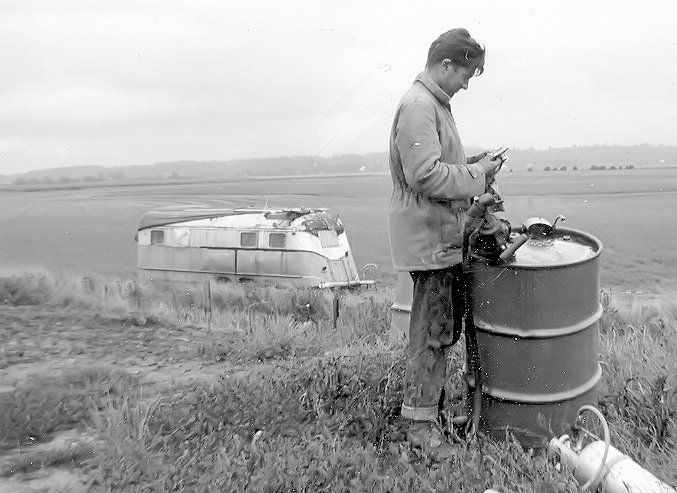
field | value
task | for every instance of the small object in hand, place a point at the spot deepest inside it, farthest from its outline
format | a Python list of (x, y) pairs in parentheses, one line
[(499, 154)]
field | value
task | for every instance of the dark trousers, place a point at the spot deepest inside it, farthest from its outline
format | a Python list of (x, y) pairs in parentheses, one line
[(435, 324)]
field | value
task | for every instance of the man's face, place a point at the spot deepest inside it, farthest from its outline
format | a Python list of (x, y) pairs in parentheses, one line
[(455, 78)]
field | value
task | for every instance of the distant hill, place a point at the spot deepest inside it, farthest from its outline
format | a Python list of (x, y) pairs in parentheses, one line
[(587, 156), (583, 157), (294, 165)]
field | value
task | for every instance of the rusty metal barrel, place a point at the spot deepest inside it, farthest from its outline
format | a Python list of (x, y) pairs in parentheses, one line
[(537, 324), (536, 320), (401, 307)]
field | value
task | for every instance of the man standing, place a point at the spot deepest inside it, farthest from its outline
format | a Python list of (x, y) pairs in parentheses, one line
[(433, 186)]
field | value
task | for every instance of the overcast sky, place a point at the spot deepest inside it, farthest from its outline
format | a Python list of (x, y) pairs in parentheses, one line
[(136, 82)]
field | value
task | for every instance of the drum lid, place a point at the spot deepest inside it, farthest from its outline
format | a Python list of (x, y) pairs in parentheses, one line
[(561, 247)]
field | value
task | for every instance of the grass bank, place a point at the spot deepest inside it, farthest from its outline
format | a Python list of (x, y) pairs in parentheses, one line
[(300, 404)]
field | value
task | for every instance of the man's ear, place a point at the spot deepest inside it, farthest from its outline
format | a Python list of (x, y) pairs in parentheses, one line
[(448, 65)]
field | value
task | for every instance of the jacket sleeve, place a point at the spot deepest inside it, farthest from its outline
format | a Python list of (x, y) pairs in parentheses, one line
[(418, 144)]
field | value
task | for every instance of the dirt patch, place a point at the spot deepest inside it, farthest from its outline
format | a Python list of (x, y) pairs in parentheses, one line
[(38, 342)]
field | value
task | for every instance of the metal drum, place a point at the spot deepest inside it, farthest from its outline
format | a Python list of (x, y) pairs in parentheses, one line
[(401, 308), (536, 321)]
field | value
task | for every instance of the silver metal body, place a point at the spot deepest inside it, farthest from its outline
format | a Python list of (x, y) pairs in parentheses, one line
[(294, 246)]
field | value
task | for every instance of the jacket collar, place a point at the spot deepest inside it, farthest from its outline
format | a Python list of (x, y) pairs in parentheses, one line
[(436, 91)]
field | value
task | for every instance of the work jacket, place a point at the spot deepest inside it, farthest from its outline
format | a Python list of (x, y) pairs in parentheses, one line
[(432, 184)]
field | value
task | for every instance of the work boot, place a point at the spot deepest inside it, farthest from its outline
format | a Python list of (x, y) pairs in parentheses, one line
[(427, 436)]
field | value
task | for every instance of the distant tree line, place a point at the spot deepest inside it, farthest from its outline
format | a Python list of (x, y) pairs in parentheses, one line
[(629, 166), (51, 180), (101, 177), (593, 167), (551, 159)]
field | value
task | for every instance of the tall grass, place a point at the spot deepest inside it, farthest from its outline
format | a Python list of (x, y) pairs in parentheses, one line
[(314, 405), (329, 425), (185, 303), (46, 403), (639, 395)]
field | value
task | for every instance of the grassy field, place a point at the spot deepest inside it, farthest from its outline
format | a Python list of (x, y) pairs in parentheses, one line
[(91, 230), (107, 384)]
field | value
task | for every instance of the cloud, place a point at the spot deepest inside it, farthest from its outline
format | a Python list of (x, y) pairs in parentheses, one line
[(137, 82), (78, 102)]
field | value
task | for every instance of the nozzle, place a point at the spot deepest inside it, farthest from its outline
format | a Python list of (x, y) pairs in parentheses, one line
[(559, 448), (510, 250)]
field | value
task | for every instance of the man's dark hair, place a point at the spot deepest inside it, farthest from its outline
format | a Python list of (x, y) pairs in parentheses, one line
[(458, 46)]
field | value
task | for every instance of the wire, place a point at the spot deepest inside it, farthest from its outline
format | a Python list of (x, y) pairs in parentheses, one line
[(595, 479)]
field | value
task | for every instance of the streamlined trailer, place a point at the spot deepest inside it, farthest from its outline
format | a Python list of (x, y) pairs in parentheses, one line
[(296, 246)]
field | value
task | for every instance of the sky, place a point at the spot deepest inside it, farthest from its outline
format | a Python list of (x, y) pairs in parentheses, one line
[(118, 83)]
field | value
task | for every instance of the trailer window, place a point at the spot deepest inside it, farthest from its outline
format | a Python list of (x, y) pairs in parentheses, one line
[(248, 240), (277, 240), (328, 239), (157, 237), (316, 224), (335, 224)]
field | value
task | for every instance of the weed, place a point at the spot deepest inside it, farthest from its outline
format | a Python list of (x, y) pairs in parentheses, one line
[(47, 403), (125, 425), (36, 457), (639, 389)]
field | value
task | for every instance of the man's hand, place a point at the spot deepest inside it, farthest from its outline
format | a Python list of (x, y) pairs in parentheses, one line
[(478, 158), (490, 169), (491, 166), (499, 154)]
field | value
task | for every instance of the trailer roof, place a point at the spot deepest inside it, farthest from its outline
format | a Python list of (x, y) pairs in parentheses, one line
[(172, 215)]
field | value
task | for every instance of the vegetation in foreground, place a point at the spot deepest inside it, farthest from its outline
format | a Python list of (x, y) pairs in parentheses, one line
[(295, 403)]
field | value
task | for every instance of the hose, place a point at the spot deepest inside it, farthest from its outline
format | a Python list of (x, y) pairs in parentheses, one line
[(508, 252), (472, 349), (598, 475)]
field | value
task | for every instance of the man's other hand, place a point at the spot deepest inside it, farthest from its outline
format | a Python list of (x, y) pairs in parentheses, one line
[(490, 169), (478, 158)]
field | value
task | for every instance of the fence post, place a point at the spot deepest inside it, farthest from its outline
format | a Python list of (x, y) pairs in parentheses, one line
[(335, 307), (208, 303)]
